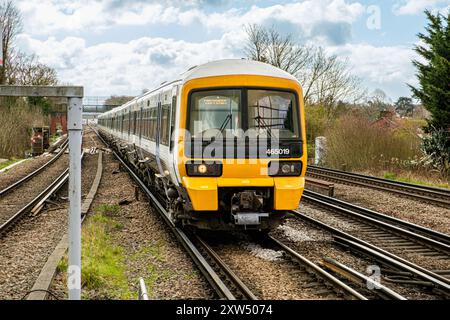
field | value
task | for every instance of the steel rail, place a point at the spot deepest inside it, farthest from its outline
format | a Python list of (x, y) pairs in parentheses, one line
[(335, 282), (19, 214), (404, 265), (397, 262), (16, 184), (434, 195), (357, 277), (243, 289), (38, 200), (413, 231), (205, 268)]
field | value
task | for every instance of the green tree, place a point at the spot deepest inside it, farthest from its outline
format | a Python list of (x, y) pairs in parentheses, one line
[(434, 88), (404, 106), (434, 72)]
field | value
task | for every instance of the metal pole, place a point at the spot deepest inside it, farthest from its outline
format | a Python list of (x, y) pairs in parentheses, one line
[(143, 295), (75, 133)]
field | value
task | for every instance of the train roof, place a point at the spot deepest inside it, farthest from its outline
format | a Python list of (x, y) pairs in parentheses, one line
[(234, 67), (218, 68)]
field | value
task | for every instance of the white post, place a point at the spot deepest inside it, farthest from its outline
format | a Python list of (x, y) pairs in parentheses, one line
[(74, 125), (321, 143)]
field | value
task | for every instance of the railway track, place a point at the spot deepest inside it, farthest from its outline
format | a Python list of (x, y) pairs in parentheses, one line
[(224, 282), (314, 276), (437, 196), (28, 196), (381, 233), (389, 244), (330, 202), (20, 182), (220, 276)]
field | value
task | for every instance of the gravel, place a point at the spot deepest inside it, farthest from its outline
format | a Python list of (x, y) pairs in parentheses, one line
[(22, 170), (25, 249), (267, 272), (337, 221), (316, 244), (150, 249), (427, 215), (18, 198)]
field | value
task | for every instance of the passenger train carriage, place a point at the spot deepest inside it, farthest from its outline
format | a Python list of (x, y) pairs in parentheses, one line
[(223, 146)]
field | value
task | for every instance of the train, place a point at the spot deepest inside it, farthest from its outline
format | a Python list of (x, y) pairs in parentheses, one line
[(223, 146)]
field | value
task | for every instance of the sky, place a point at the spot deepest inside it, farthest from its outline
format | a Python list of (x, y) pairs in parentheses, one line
[(122, 47)]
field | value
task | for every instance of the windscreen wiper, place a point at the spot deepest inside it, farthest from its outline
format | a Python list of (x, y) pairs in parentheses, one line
[(262, 124), (224, 124)]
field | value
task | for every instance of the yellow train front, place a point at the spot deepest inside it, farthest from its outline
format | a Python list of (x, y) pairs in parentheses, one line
[(223, 146), (242, 149)]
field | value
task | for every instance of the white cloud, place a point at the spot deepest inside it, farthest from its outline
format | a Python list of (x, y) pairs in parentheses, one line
[(387, 67), (412, 7), (126, 68), (43, 17)]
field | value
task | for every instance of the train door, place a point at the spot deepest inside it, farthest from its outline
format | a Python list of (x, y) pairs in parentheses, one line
[(173, 139), (172, 114), (158, 133)]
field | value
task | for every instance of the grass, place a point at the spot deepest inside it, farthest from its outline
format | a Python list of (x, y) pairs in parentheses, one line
[(8, 163), (53, 138), (103, 262), (415, 180)]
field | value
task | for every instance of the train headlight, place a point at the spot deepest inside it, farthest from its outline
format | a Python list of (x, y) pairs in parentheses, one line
[(204, 169), (285, 168)]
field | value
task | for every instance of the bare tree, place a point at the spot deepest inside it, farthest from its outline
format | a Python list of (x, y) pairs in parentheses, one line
[(117, 100), (325, 78), (11, 24), (27, 70), (257, 43), (267, 45)]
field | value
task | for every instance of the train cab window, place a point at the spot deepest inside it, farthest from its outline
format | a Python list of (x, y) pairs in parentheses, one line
[(215, 111), (273, 113)]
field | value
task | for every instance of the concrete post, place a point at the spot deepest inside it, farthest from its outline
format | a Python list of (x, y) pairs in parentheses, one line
[(320, 150), (74, 125)]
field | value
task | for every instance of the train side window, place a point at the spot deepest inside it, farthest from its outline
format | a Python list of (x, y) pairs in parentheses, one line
[(141, 123), (148, 123), (130, 123), (133, 121), (152, 124)]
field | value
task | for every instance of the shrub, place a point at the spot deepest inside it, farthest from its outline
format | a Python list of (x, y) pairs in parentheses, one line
[(354, 143), (16, 121), (316, 122), (436, 145)]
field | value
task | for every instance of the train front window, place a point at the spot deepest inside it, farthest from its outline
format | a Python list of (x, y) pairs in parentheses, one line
[(215, 112), (273, 113), (267, 113)]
